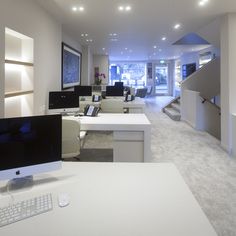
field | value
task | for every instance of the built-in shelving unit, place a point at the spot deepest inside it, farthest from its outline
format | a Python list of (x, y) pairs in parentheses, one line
[(19, 63), (19, 74)]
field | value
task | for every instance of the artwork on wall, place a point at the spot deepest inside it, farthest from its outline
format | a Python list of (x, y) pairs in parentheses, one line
[(71, 66)]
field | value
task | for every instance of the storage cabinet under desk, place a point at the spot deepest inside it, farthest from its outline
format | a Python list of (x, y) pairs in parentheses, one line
[(128, 146)]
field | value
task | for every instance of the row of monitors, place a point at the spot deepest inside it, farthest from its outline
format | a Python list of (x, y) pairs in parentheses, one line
[(69, 99), (112, 91)]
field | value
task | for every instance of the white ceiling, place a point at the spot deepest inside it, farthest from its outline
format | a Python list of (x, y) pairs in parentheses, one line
[(140, 29)]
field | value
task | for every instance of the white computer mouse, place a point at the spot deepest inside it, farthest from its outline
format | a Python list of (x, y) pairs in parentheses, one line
[(63, 199)]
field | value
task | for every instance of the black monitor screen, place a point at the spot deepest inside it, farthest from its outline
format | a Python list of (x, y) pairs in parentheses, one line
[(83, 90), (119, 84), (114, 91), (62, 99), (27, 141)]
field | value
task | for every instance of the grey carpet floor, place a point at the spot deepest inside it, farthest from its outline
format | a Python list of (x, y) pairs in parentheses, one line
[(207, 169)]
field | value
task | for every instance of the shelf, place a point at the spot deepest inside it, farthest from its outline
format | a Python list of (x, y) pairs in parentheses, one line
[(18, 93), (19, 63)]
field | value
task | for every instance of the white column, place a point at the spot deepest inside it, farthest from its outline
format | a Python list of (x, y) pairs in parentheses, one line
[(228, 80), (2, 70)]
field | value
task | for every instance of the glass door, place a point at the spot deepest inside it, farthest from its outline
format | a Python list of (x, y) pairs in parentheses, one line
[(161, 79)]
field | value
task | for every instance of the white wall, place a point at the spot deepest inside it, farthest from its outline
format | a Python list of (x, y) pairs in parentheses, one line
[(87, 66), (228, 81), (28, 18), (102, 61)]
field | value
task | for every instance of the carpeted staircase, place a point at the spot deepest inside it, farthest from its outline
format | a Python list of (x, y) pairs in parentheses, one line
[(173, 109)]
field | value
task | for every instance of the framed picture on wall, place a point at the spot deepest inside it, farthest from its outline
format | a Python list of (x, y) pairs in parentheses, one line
[(71, 67)]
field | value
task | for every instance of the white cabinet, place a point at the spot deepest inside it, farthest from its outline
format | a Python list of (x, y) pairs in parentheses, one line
[(19, 74)]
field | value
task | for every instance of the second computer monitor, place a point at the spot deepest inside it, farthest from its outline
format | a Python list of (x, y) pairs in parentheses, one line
[(83, 91), (63, 101), (114, 91)]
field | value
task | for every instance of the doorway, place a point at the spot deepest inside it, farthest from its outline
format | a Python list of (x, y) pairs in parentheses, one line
[(161, 79)]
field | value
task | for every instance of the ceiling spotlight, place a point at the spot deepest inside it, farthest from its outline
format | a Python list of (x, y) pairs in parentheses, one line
[(128, 8), (163, 38), (74, 9), (81, 8), (203, 2), (84, 35), (154, 46), (121, 8), (177, 26)]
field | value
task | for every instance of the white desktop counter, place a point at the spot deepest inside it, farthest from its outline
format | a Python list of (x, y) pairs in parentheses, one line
[(114, 199), (131, 134), (135, 106)]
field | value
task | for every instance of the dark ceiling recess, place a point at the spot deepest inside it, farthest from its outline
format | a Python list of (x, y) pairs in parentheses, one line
[(191, 39)]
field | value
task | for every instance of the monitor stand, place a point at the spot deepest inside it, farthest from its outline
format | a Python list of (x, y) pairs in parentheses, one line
[(20, 183)]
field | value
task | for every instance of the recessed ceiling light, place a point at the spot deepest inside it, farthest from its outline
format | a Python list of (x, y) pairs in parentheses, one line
[(163, 38), (89, 40), (162, 61), (113, 34), (126, 48), (154, 46), (81, 8), (128, 8), (177, 26), (114, 40), (74, 9), (84, 35), (202, 2), (103, 49), (124, 8)]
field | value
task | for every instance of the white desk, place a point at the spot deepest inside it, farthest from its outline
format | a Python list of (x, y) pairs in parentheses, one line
[(131, 134), (114, 199), (135, 106)]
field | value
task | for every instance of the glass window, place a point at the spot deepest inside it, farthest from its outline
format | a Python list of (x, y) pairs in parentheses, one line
[(131, 74)]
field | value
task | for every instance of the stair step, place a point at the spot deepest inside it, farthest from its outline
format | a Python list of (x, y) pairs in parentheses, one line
[(176, 106), (172, 113)]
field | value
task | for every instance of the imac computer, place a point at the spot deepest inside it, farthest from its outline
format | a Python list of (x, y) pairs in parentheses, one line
[(119, 84), (82, 91), (28, 146), (63, 102), (114, 91)]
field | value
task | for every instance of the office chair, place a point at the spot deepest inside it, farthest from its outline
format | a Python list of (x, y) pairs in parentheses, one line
[(112, 105), (142, 92), (72, 138)]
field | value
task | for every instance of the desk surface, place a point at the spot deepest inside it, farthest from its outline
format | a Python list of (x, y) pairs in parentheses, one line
[(114, 199), (113, 121)]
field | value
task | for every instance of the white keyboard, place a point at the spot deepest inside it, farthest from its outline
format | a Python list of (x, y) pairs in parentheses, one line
[(25, 209)]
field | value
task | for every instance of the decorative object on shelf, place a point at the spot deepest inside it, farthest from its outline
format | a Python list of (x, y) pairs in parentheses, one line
[(99, 77), (71, 66)]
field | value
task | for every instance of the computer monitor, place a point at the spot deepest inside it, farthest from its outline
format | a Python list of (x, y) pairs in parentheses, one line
[(29, 145), (113, 91), (63, 102), (83, 91), (119, 84)]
